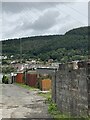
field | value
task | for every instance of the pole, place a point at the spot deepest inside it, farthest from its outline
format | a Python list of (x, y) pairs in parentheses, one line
[(20, 51)]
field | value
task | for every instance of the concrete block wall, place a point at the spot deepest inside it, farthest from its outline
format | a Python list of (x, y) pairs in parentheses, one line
[(71, 88)]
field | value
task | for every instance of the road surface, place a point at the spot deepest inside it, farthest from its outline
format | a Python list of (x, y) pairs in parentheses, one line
[(18, 102)]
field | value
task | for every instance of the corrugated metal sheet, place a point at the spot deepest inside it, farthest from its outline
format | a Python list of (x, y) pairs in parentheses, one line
[(19, 78), (31, 80), (46, 84)]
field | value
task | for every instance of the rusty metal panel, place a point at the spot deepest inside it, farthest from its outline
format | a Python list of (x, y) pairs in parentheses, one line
[(31, 80), (20, 78), (46, 84)]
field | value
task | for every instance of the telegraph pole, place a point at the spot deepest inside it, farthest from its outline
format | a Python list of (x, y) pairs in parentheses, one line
[(20, 50)]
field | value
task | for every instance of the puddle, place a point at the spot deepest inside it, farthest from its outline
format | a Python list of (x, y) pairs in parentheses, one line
[(40, 100), (32, 106), (2, 103), (10, 107), (28, 92), (29, 106)]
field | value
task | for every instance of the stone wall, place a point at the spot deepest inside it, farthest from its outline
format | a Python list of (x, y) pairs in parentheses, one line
[(71, 88)]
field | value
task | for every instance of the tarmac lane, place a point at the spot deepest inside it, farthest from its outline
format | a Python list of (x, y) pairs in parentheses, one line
[(18, 102), (0, 101)]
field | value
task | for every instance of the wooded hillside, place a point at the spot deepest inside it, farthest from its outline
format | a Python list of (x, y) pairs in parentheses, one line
[(71, 46)]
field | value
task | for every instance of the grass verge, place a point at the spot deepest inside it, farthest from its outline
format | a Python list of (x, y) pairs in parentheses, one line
[(26, 86), (46, 95)]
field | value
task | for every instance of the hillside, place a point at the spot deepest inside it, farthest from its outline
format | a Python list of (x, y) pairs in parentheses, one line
[(71, 46)]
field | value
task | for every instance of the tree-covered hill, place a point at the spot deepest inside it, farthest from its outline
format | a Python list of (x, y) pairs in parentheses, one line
[(78, 31), (71, 46)]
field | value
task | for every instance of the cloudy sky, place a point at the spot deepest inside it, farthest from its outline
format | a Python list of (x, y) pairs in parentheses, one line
[(23, 19)]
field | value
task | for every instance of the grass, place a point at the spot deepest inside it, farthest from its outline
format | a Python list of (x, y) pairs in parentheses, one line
[(57, 115), (52, 107), (26, 86), (53, 110), (46, 95)]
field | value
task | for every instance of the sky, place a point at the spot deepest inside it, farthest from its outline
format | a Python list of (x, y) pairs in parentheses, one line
[(26, 19)]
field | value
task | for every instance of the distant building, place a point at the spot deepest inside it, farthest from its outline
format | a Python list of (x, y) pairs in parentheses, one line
[(3, 57), (56, 64), (50, 60)]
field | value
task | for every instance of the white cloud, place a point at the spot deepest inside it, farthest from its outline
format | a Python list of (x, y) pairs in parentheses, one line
[(45, 0), (45, 21), (0, 21), (28, 19)]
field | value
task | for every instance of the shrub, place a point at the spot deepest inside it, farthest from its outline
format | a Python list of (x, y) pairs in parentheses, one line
[(5, 79), (52, 107)]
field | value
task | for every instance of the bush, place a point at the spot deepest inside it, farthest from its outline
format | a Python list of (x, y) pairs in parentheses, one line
[(52, 107), (5, 79)]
